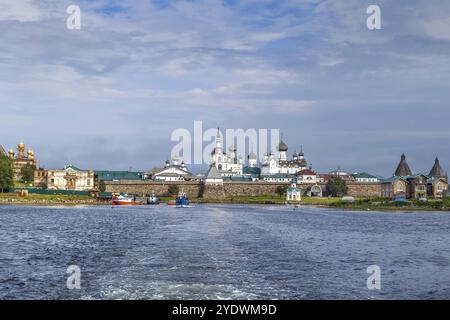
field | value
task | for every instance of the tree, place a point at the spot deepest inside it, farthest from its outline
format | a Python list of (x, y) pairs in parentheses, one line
[(281, 190), (6, 173), (173, 189), (27, 173), (337, 187), (101, 186)]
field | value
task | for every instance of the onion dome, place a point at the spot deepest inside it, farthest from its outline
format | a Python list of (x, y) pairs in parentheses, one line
[(252, 155), (282, 146)]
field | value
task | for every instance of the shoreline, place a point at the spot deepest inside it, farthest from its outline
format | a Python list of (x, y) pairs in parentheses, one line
[(322, 203)]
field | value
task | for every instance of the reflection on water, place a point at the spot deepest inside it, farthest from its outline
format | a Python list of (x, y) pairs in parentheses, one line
[(222, 252)]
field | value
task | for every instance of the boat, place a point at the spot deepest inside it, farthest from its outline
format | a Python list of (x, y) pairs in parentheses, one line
[(153, 199), (125, 200), (171, 202), (182, 201)]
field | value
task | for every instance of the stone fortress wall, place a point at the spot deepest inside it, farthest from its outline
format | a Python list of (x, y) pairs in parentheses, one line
[(229, 188)]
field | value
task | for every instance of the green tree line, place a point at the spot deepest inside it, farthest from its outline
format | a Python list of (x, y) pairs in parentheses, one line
[(6, 173)]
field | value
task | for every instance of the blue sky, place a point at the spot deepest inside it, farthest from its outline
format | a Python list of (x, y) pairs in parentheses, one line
[(108, 96)]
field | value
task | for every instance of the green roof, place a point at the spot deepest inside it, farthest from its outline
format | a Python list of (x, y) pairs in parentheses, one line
[(73, 168), (364, 175), (239, 178), (118, 175), (279, 176), (252, 171)]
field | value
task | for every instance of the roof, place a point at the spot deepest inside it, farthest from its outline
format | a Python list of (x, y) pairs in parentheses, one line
[(364, 175), (403, 167), (433, 180), (279, 176), (392, 179), (213, 173), (282, 146), (73, 168), (306, 172), (251, 170), (172, 174), (414, 176), (437, 170), (239, 178), (118, 175)]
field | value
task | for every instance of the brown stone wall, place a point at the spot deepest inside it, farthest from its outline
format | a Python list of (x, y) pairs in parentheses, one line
[(194, 189), (142, 188), (259, 188), (369, 189)]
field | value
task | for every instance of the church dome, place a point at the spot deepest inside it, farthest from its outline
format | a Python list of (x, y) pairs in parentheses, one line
[(282, 146), (252, 155)]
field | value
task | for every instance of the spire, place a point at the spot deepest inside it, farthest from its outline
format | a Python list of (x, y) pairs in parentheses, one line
[(301, 154), (403, 169), (437, 171), (218, 149)]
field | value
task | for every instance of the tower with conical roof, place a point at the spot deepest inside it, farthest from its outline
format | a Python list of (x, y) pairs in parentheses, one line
[(403, 169), (437, 171)]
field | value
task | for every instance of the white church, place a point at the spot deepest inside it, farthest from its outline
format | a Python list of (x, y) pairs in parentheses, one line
[(272, 165), (229, 164)]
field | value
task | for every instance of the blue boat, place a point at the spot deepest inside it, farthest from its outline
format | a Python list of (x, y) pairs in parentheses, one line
[(182, 200)]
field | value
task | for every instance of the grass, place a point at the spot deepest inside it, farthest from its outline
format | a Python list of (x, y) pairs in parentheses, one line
[(32, 198), (377, 203), (362, 203)]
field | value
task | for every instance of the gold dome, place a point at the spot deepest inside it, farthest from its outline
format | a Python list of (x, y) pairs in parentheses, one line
[(21, 145)]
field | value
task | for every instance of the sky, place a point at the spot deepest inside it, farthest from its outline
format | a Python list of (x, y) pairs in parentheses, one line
[(109, 95)]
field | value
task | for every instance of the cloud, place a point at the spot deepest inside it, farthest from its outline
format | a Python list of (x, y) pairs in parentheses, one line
[(139, 69), (23, 11)]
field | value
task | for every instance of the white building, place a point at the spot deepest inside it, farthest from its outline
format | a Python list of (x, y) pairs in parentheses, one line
[(293, 194), (174, 170), (365, 177), (307, 176), (272, 165), (229, 164), (69, 178)]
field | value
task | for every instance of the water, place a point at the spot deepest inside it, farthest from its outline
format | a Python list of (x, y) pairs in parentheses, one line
[(222, 252)]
